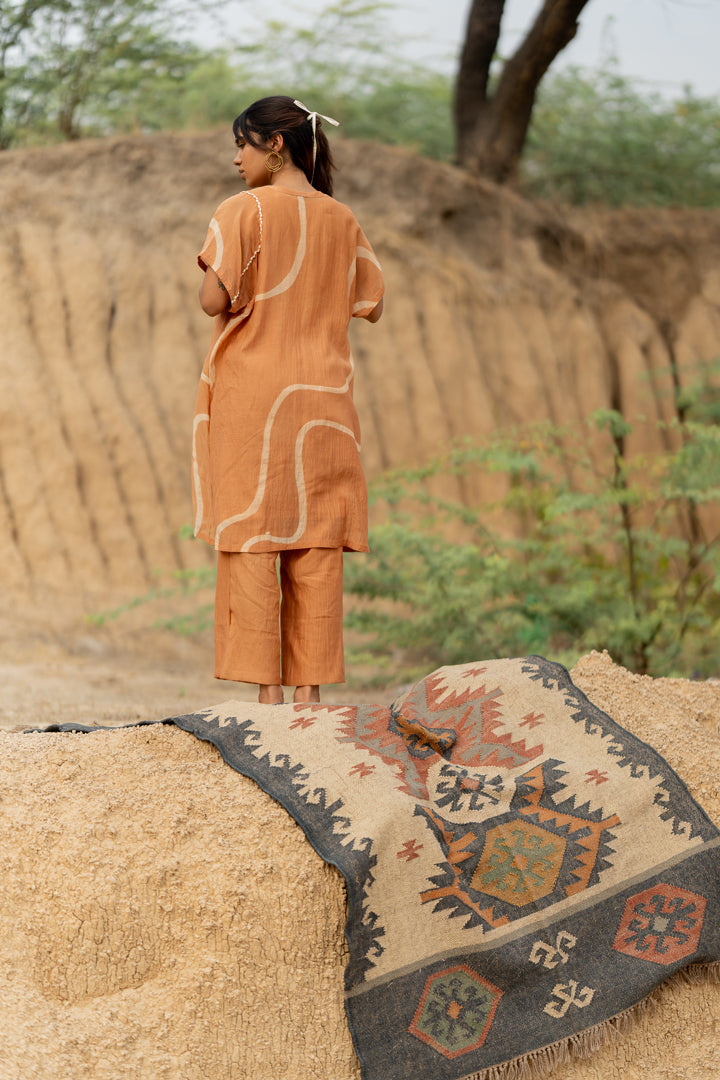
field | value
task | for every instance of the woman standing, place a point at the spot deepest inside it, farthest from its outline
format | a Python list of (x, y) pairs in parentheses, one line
[(276, 466)]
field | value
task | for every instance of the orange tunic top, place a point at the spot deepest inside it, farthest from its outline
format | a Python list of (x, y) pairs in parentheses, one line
[(276, 438)]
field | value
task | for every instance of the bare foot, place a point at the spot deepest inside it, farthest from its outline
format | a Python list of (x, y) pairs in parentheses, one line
[(270, 694), (306, 694)]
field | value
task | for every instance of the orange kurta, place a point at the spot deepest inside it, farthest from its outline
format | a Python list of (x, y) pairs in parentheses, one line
[(276, 438)]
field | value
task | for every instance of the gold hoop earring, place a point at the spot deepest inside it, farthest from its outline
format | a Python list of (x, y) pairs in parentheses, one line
[(275, 165)]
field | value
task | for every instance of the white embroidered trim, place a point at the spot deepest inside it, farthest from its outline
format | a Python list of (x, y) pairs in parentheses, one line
[(255, 253)]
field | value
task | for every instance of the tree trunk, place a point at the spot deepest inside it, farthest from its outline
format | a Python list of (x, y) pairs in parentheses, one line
[(491, 128), (67, 121)]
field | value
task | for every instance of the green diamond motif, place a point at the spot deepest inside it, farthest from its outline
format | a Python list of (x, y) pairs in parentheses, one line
[(456, 1011)]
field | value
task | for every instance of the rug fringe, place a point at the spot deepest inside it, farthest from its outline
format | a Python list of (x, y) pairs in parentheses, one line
[(538, 1063), (699, 973)]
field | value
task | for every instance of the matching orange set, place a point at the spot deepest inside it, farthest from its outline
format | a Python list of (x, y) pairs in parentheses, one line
[(278, 487)]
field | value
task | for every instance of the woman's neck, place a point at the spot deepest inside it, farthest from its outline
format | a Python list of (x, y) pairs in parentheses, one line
[(292, 178)]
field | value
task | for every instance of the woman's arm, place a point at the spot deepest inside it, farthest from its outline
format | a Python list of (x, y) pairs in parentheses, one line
[(374, 315), (213, 294)]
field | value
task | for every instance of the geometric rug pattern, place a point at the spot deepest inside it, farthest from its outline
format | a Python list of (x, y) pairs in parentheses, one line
[(520, 869)]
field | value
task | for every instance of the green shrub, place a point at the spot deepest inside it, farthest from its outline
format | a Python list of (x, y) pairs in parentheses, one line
[(607, 552), (588, 548), (595, 137)]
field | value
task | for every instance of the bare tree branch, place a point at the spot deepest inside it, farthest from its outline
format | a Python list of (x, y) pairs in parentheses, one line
[(491, 131), (481, 38), (554, 28)]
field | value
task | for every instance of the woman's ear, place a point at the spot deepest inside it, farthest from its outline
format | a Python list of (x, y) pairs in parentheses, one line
[(277, 142)]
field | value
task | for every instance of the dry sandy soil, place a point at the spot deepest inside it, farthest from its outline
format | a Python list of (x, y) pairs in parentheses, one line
[(59, 667), (56, 667)]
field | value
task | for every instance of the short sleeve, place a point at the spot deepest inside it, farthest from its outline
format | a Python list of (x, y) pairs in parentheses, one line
[(367, 285), (232, 245)]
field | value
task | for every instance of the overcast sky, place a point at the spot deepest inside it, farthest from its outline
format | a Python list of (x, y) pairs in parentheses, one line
[(665, 43)]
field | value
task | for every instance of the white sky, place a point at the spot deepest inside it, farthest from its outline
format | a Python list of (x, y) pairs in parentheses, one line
[(665, 43)]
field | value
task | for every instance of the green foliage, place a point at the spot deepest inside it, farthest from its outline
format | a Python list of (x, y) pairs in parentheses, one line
[(597, 138), (17, 18), (80, 67), (182, 593), (89, 67), (589, 548), (607, 551), (345, 62), (209, 97)]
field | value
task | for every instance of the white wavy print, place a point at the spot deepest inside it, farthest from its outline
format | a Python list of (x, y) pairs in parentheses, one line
[(200, 418), (360, 253), (265, 455), (219, 247), (233, 322), (300, 484), (365, 253), (289, 278)]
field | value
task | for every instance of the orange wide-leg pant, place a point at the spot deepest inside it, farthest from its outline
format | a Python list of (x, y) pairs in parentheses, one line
[(286, 632)]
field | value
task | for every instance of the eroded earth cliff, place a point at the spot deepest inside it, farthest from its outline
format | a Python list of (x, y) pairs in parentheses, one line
[(498, 312)]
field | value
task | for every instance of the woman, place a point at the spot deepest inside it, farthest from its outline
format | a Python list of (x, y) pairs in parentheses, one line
[(276, 467)]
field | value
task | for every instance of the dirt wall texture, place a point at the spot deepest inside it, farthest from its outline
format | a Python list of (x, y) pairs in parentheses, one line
[(498, 312), (161, 918)]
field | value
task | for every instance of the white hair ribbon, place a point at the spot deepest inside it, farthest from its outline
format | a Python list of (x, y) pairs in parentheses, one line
[(312, 116)]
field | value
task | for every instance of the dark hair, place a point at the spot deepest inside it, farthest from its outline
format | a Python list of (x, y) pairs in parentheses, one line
[(279, 115)]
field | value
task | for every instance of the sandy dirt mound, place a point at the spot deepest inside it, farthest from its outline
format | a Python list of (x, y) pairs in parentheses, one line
[(151, 932), (498, 312)]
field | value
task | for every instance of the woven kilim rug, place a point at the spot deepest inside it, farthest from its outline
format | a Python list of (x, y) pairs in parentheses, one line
[(520, 869)]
